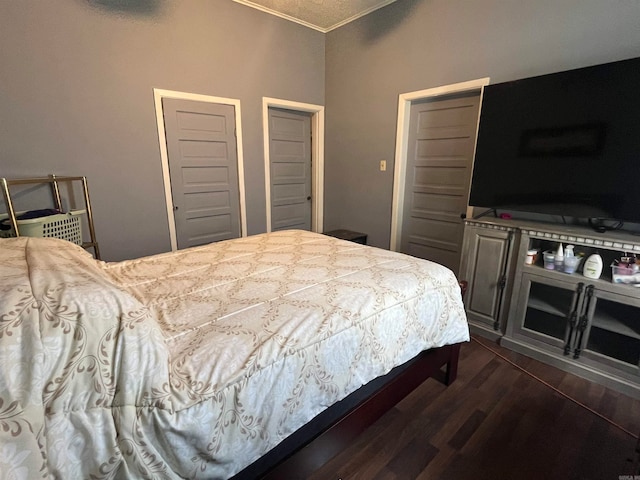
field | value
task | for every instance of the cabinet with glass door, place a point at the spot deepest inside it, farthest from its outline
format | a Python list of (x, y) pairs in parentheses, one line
[(587, 326)]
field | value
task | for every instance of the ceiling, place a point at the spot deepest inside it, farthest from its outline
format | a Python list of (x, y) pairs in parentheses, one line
[(321, 15)]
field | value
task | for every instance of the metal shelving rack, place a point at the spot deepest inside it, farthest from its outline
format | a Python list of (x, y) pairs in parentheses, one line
[(54, 181)]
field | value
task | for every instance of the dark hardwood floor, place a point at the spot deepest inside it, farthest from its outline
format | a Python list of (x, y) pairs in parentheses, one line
[(497, 422)]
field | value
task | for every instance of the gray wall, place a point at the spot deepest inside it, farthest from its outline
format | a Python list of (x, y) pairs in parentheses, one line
[(413, 45), (76, 96), (77, 77)]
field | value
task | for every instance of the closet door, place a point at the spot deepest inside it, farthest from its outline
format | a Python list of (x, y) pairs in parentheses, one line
[(442, 136), (290, 169), (201, 146)]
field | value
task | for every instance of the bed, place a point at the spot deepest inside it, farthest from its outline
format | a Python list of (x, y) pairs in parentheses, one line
[(208, 362)]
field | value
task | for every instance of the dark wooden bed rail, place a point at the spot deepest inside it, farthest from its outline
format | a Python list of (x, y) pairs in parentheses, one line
[(332, 431)]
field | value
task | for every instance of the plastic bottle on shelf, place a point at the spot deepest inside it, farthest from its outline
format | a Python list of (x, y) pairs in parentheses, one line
[(593, 266), (570, 260), (559, 258)]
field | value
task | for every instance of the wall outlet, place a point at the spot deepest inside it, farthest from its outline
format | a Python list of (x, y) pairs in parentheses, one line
[(383, 165)]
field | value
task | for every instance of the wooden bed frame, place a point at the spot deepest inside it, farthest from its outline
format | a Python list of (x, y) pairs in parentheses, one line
[(333, 430)]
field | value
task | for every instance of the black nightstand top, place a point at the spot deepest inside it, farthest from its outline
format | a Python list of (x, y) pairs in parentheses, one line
[(350, 235)]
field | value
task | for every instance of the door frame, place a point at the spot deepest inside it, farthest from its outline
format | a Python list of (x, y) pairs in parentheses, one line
[(158, 95), (402, 145), (317, 157)]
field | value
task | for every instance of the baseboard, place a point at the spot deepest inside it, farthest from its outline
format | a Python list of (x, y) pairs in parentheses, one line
[(485, 331)]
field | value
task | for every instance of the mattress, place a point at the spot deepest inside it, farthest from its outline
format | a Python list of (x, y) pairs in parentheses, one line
[(192, 364)]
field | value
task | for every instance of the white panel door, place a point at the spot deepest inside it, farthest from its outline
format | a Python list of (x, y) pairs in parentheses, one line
[(290, 169), (203, 168), (442, 135)]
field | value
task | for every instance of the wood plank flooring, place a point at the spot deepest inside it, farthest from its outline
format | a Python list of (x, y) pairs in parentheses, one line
[(497, 422)]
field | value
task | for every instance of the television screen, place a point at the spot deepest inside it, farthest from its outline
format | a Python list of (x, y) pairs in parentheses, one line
[(565, 144)]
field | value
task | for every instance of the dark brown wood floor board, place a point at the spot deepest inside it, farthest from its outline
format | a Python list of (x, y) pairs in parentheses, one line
[(496, 430), (480, 356), (497, 423), (501, 381), (381, 454), (405, 426), (608, 404), (474, 400), (439, 421), (605, 449), (473, 359), (628, 414), (579, 388), (413, 459), (368, 470), (462, 435), (517, 420), (599, 398), (499, 389), (353, 467), (403, 429), (566, 464), (487, 401), (483, 375), (620, 409), (537, 443), (493, 347), (424, 394), (427, 422), (463, 466), (444, 430), (438, 464), (592, 392), (427, 419), (540, 410), (521, 382), (373, 445), (542, 402), (383, 474), (585, 391), (473, 404), (551, 375), (572, 434), (405, 437)]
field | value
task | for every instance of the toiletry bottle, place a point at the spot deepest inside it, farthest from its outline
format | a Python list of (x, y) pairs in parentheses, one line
[(568, 251), (570, 262), (593, 266), (559, 258)]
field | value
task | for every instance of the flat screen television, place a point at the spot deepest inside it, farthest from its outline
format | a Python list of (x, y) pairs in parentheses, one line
[(564, 144)]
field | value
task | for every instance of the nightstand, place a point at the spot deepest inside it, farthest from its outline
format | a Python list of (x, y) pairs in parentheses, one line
[(352, 236)]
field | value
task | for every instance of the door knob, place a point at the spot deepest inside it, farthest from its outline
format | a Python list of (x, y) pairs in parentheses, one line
[(175, 207), (309, 198)]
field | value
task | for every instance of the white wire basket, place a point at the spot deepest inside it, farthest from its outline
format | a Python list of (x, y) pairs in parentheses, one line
[(67, 226)]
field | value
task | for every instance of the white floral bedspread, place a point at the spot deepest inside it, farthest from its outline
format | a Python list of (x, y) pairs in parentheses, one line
[(193, 364)]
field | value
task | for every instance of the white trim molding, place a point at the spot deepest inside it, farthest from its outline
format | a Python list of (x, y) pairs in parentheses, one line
[(317, 157), (158, 95), (402, 140), (310, 24)]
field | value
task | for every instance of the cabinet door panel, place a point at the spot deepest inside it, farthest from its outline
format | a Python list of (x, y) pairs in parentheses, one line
[(545, 307), (613, 333), (486, 254), (490, 256)]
